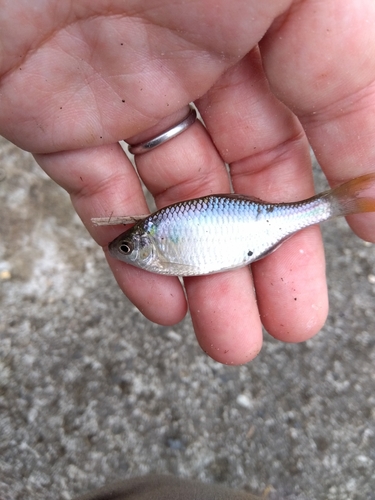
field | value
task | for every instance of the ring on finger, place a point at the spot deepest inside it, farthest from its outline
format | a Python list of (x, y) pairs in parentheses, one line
[(167, 135)]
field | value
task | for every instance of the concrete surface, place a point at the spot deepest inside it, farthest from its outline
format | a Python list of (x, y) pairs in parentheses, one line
[(91, 391)]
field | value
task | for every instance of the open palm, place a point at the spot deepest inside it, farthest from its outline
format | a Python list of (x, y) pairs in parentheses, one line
[(77, 77)]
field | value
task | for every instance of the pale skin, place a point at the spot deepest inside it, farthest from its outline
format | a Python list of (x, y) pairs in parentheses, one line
[(77, 77)]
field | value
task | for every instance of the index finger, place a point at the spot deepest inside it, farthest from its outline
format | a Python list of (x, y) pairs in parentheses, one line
[(102, 181)]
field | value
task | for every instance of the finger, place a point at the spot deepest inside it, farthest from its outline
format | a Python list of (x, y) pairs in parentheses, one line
[(334, 94), (102, 181), (225, 316), (222, 306), (269, 158)]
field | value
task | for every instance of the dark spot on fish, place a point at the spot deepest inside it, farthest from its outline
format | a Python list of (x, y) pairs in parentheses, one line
[(81, 178), (295, 298), (121, 44), (122, 100), (270, 209), (250, 253)]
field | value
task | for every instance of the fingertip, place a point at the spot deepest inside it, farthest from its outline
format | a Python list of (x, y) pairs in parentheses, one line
[(160, 299), (242, 353), (363, 225), (225, 316), (298, 325), (291, 288)]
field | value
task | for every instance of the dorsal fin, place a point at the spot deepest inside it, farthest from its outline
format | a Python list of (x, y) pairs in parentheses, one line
[(243, 197)]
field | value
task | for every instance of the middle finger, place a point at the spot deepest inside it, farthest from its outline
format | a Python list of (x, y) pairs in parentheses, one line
[(222, 306)]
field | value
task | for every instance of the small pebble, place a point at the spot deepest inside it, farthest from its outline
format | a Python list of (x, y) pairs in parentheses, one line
[(244, 401)]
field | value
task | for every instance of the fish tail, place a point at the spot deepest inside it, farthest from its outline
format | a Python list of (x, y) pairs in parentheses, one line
[(353, 197)]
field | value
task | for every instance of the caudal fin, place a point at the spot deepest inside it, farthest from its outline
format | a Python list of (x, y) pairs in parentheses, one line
[(353, 197)]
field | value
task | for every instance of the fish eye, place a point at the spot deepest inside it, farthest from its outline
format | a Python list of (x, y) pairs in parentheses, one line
[(126, 247)]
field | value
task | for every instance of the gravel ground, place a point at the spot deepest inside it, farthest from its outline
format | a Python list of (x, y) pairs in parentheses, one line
[(91, 391)]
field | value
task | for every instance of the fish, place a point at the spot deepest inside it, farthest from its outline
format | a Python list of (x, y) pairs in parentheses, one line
[(216, 233)]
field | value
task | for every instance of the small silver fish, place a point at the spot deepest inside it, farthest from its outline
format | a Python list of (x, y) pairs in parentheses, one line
[(220, 232)]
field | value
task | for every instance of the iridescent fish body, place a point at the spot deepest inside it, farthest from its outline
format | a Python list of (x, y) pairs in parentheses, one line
[(220, 232)]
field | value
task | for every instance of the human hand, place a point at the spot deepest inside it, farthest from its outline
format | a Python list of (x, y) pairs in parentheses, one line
[(78, 77)]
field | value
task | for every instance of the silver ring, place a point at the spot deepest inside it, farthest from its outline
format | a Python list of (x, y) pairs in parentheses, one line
[(167, 135)]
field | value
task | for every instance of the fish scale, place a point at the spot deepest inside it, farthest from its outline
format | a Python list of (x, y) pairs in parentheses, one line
[(220, 232)]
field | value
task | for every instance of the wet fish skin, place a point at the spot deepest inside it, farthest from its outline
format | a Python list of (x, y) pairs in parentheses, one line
[(220, 232)]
